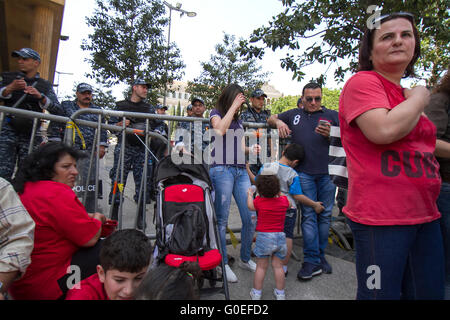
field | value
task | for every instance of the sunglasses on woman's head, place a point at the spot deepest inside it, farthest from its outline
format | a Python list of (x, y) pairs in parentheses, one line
[(378, 20)]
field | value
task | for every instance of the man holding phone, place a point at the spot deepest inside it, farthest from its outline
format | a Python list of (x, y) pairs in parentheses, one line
[(310, 127)]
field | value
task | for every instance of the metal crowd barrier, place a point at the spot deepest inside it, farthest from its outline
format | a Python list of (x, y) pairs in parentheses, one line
[(102, 113)]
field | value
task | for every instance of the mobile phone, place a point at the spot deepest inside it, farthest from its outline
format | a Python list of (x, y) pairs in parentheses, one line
[(324, 123)]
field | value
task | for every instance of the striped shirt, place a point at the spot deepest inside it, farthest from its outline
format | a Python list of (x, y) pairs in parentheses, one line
[(16, 231)]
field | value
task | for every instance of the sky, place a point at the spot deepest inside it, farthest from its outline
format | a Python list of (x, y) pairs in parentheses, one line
[(196, 37)]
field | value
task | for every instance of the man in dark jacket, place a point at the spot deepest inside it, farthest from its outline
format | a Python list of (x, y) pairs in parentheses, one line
[(23, 89), (134, 151)]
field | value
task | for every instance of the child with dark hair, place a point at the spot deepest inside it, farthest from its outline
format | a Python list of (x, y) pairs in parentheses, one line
[(124, 260), (271, 209), (290, 186), (165, 282)]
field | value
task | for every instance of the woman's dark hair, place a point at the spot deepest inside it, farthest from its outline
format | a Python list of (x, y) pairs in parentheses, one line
[(165, 282), (126, 250), (365, 50), (268, 185), (40, 164), (226, 99)]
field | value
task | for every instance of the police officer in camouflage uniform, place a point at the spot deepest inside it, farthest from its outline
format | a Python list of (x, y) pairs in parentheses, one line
[(257, 114), (135, 149), (197, 108), (85, 142), (38, 96)]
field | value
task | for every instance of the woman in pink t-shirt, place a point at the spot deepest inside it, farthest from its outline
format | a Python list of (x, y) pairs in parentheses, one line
[(393, 175), (44, 182)]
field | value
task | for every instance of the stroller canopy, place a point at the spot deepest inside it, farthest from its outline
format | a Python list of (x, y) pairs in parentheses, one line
[(167, 169)]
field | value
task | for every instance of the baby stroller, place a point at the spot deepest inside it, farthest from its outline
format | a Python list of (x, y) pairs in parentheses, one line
[(186, 228)]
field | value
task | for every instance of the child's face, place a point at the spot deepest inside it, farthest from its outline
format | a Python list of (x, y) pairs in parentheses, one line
[(120, 285)]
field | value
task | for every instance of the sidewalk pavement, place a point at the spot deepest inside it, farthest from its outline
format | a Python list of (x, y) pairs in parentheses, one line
[(340, 285)]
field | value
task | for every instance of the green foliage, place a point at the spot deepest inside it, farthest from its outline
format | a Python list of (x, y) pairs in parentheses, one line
[(336, 26), (330, 99), (283, 104), (224, 68), (128, 42)]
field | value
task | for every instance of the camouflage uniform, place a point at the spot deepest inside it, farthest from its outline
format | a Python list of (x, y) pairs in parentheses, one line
[(56, 132), (134, 153), (196, 136), (16, 131), (251, 115)]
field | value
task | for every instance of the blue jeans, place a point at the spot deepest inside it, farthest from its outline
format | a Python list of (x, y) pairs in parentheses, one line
[(232, 181), (443, 203), (316, 227), (269, 244), (399, 262)]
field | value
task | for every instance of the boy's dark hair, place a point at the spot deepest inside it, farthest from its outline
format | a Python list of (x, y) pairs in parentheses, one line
[(294, 151), (165, 282), (127, 250), (311, 85), (268, 185)]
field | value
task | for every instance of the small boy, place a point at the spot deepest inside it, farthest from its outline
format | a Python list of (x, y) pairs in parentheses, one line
[(124, 259), (290, 186), (271, 208)]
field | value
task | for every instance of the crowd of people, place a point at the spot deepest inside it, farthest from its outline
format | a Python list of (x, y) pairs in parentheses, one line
[(397, 147)]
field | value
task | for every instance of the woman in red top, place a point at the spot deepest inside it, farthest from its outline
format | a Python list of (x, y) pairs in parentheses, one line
[(44, 183), (393, 175)]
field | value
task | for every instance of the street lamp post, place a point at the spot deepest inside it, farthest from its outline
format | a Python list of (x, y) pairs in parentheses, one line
[(191, 14)]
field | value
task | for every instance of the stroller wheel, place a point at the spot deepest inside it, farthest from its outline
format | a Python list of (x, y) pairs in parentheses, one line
[(212, 280)]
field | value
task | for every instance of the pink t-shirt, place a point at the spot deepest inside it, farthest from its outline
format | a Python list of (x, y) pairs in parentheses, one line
[(62, 227), (271, 213), (391, 184)]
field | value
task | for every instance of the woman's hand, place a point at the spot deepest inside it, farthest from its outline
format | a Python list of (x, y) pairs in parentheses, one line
[(99, 216), (255, 149), (421, 93), (238, 101)]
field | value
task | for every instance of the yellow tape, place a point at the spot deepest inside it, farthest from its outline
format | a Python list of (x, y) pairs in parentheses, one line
[(120, 185), (234, 240), (72, 125)]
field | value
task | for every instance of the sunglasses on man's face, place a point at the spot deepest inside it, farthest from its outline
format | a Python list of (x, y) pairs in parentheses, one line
[(310, 99)]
